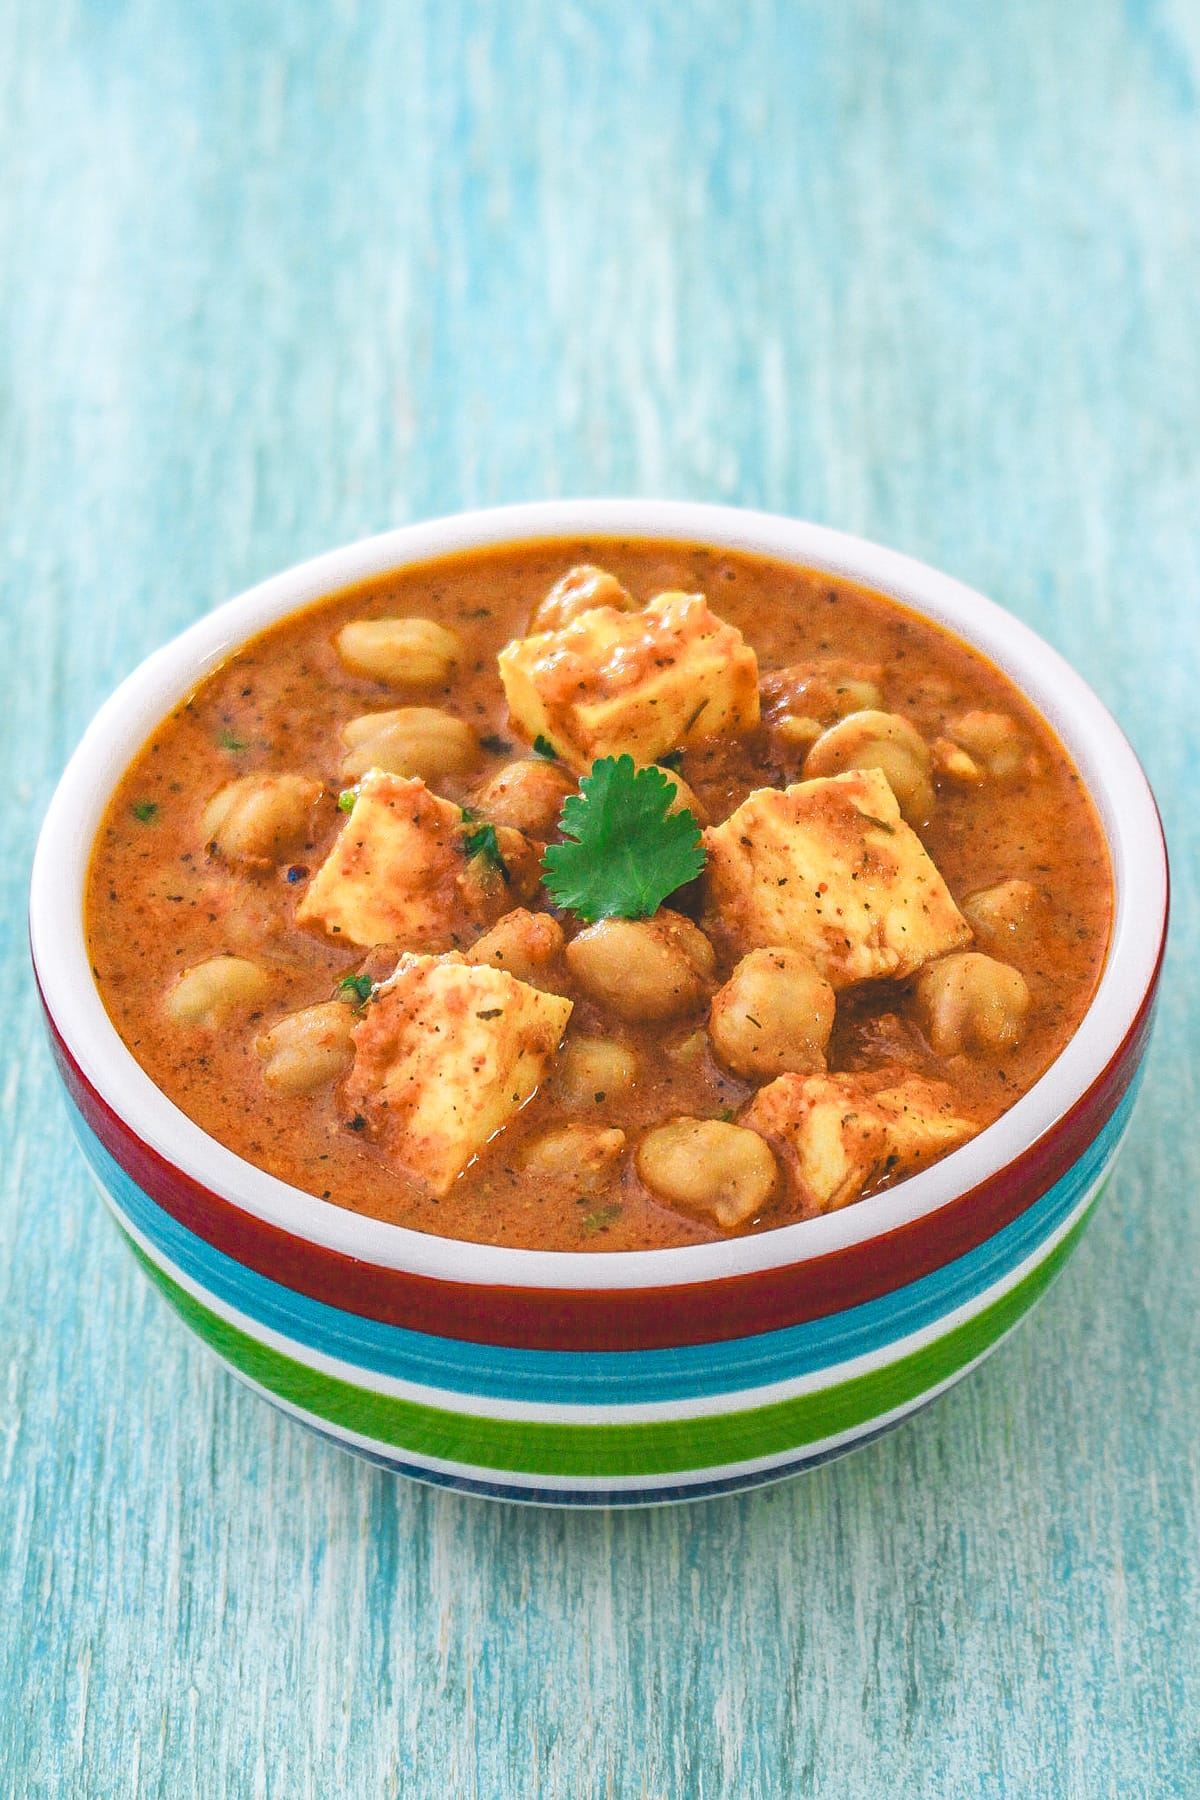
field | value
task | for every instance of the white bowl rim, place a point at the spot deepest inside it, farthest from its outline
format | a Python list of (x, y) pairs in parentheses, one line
[(1099, 749)]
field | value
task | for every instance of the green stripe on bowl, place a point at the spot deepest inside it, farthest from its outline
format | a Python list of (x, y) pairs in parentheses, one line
[(644, 1447)]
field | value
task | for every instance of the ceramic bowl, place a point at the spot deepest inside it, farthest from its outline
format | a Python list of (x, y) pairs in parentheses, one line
[(599, 1379)]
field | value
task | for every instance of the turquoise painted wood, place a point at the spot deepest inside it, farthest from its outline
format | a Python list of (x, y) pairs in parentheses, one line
[(272, 277)]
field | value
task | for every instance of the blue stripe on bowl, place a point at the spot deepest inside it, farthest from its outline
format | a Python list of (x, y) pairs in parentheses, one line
[(613, 1377)]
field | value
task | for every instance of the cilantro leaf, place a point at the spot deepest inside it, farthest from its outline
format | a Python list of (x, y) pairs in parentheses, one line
[(145, 811), (543, 747), (346, 799), (481, 840), (359, 986), (629, 851)]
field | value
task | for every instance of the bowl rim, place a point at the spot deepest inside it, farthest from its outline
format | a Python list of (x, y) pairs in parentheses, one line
[(1103, 756)]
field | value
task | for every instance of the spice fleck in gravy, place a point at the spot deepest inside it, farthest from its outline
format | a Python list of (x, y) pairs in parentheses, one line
[(604, 895)]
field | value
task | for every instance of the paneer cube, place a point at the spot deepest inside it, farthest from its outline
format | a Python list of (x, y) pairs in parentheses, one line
[(391, 876), (922, 1123), (837, 1133), (643, 682), (446, 1054), (829, 867)]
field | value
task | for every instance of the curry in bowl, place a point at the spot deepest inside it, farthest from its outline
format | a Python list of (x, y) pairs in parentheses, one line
[(608, 895)]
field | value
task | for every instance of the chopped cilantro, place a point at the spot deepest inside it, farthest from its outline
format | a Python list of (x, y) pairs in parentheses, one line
[(543, 747), (603, 1217), (145, 811), (229, 740), (481, 840), (358, 985), (346, 799), (629, 851)]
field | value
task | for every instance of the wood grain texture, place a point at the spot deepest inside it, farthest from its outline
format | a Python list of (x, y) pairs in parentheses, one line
[(274, 277)]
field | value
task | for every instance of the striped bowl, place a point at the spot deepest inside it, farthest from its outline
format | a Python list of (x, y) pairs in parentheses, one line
[(606, 1379)]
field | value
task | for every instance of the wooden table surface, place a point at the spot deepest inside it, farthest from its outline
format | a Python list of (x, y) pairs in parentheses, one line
[(274, 277)]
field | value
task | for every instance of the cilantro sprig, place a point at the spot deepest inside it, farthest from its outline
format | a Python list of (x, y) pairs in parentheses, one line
[(627, 850)]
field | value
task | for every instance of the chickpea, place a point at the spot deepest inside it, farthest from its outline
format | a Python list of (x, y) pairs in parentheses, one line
[(578, 1156), (705, 1165), (878, 740), (482, 882), (591, 1070), (522, 859), (524, 943), (410, 740), (213, 992), (797, 730), (851, 694), (402, 652), (972, 1002), (684, 799), (527, 794), (580, 590), (994, 741), (773, 1016), (308, 1049), (260, 818), (1003, 915), (953, 762), (655, 968)]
